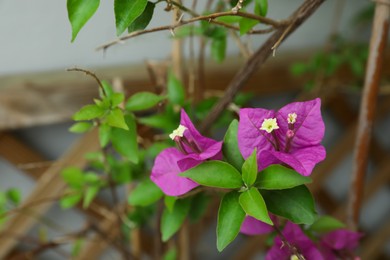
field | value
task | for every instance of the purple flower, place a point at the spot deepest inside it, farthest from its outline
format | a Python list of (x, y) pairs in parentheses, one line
[(193, 148), (340, 244), (251, 226), (290, 136), (296, 238)]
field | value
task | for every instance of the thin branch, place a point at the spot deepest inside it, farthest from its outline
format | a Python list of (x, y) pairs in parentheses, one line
[(259, 58), (293, 249), (367, 110), (210, 18), (90, 73)]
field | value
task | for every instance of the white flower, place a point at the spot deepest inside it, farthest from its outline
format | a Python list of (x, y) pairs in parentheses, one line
[(178, 132), (269, 125)]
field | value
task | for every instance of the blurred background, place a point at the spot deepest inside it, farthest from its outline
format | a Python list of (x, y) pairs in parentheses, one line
[(325, 57)]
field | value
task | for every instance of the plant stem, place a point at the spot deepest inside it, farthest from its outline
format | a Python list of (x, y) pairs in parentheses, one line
[(293, 249), (367, 109)]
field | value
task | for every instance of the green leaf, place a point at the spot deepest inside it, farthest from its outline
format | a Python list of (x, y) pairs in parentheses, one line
[(126, 11), (14, 196), (90, 194), (298, 68), (104, 134), (249, 169), (88, 112), (230, 146), (261, 7), (77, 246), (169, 202), (161, 121), (253, 204), (121, 171), (143, 20), (143, 101), (80, 127), (278, 177), (146, 193), (79, 12), (198, 206), (326, 224), (171, 254), (125, 141), (230, 19), (108, 90), (171, 221), (246, 25), (215, 174), (116, 119), (295, 204), (70, 200), (116, 99), (175, 89), (73, 176), (218, 48), (230, 218)]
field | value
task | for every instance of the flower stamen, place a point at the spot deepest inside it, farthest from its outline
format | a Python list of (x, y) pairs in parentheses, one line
[(269, 124), (178, 132), (291, 118)]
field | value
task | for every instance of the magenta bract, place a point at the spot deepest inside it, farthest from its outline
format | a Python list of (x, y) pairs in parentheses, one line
[(340, 243), (290, 136), (295, 236), (193, 149)]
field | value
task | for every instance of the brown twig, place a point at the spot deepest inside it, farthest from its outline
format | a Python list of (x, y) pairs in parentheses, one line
[(258, 58), (90, 73), (293, 249), (367, 109), (210, 18)]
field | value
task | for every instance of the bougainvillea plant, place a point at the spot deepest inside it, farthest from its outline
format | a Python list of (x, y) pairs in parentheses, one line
[(266, 191)]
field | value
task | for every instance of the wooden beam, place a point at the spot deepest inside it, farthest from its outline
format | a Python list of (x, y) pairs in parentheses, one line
[(50, 185)]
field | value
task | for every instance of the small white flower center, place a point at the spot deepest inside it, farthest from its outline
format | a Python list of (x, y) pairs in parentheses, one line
[(294, 257), (178, 132), (269, 125), (291, 118)]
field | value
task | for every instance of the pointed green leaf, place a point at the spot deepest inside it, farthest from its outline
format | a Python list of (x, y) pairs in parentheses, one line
[(125, 141), (176, 93), (161, 121), (215, 174), (326, 224), (246, 25), (126, 11), (145, 194), (143, 20), (80, 127), (14, 196), (261, 7), (230, 146), (143, 101), (104, 134), (90, 194), (73, 176), (79, 12), (218, 48), (88, 112), (296, 204), (198, 206), (278, 177), (171, 221), (169, 202), (249, 169), (116, 99), (253, 204), (116, 119), (70, 200), (230, 218)]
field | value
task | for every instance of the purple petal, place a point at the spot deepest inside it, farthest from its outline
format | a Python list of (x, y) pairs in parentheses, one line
[(202, 141), (309, 127), (249, 134), (302, 160), (252, 226), (165, 173), (342, 239), (296, 237)]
